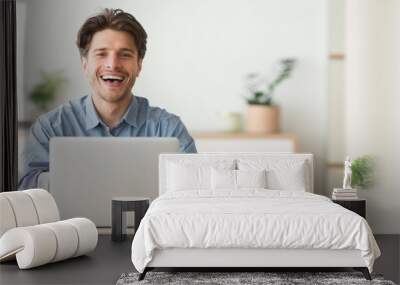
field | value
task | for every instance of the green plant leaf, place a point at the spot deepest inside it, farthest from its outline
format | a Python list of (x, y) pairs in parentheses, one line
[(362, 170), (258, 95), (44, 92), (265, 97)]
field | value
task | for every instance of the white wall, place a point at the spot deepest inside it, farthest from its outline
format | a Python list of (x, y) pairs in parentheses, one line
[(336, 114), (336, 149), (372, 102), (198, 55)]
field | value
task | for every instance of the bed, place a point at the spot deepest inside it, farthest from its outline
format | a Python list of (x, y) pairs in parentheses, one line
[(247, 210)]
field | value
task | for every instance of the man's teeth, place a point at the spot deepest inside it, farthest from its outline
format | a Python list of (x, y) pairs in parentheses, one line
[(112, 77)]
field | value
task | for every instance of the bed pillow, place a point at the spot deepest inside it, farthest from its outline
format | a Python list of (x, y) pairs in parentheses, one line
[(222, 179), (289, 179), (251, 178), (282, 174), (183, 176)]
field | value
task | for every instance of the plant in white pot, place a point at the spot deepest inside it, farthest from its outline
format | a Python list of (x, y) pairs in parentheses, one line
[(262, 114)]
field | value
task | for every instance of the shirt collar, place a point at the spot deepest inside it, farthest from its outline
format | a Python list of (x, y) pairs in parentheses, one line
[(131, 113), (93, 119)]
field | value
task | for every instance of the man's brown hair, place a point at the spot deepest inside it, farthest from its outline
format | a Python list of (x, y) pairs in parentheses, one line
[(115, 19)]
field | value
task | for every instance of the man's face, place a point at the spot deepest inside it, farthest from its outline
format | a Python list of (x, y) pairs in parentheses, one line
[(112, 65)]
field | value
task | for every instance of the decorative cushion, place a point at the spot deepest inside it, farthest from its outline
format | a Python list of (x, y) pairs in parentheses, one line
[(225, 179), (40, 244), (282, 174), (251, 179)]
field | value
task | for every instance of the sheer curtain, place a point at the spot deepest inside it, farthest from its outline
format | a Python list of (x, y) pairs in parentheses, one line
[(8, 97)]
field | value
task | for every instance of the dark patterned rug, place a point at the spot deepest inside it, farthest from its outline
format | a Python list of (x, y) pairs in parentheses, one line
[(269, 278)]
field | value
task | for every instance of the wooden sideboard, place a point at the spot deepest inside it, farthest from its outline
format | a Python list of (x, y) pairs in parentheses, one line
[(245, 142)]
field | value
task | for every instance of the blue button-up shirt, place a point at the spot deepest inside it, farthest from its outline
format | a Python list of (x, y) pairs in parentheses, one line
[(78, 117)]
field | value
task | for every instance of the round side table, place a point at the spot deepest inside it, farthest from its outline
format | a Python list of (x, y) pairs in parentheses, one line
[(119, 206)]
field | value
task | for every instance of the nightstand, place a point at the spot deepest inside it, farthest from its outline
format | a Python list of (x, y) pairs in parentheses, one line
[(358, 206), (120, 205)]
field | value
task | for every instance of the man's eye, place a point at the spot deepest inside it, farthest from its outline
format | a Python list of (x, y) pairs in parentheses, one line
[(126, 55), (100, 54)]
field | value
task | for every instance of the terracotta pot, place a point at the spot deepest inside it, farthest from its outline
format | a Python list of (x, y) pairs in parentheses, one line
[(262, 119)]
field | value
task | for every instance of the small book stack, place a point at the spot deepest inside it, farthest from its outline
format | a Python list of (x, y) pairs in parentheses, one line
[(344, 194)]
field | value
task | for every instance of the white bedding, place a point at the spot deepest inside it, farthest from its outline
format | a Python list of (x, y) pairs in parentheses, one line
[(251, 218)]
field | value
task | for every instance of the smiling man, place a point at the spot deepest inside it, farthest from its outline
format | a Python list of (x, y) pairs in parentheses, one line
[(112, 46)]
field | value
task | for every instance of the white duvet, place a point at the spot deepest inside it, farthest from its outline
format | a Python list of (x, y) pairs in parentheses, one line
[(250, 218)]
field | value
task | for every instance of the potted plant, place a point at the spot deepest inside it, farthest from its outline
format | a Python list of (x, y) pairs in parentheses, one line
[(45, 92), (361, 172), (262, 113)]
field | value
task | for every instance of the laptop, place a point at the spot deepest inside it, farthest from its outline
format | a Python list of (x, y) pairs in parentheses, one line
[(86, 172)]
